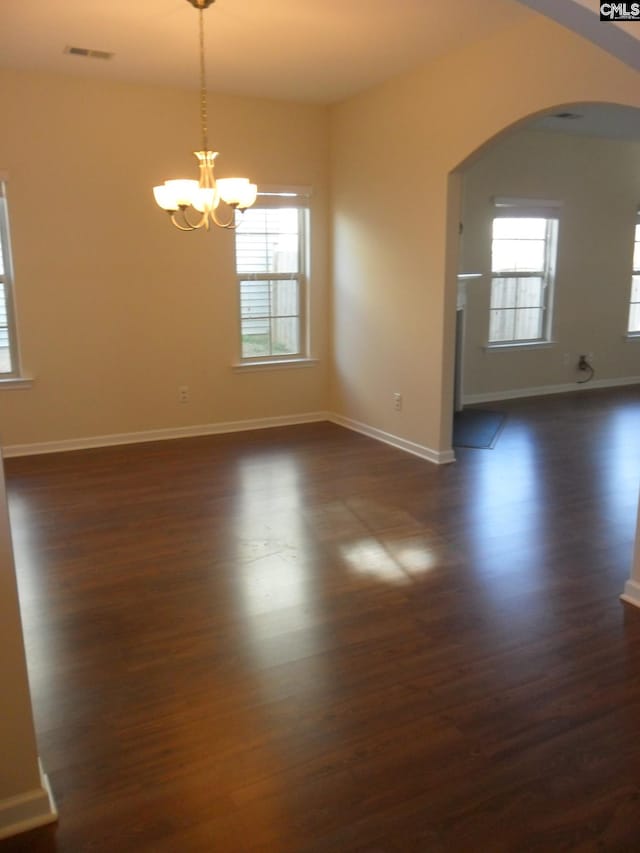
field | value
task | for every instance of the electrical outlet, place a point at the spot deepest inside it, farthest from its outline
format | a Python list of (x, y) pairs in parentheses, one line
[(183, 393), (397, 401)]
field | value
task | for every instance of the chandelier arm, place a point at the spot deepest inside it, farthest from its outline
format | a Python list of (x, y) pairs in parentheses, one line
[(203, 86), (180, 227), (230, 224), (203, 221), (188, 225)]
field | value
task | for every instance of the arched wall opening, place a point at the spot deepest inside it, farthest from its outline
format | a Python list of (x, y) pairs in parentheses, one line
[(630, 133), (520, 161), (397, 152)]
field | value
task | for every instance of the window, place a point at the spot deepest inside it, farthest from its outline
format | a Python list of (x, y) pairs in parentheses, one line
[(9, 365), (271, 272), (523, 251), (634, 306)]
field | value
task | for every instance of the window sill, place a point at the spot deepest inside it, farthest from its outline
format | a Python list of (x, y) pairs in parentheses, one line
[(275, 364), (631, 336), (523, 345), (16, 383)]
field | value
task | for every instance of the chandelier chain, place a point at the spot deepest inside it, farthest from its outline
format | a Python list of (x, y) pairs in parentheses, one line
[(185, 199), (203, 86)]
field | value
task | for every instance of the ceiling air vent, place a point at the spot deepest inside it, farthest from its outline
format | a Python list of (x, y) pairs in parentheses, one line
[(88, 52)]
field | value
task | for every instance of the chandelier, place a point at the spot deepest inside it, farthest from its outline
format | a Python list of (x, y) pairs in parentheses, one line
[(193, 204)]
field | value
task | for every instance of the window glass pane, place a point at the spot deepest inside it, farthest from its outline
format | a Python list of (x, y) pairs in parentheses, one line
[(270, 322), (634, 317), (5, 351), (522, 255), (254, 299), (528, 324), (256, 338), (284, 298), (529, 293), (501, 325), (519, 229), (267, 240), (517, 292), (635, 288), (503, 292), (636, 255), (285, 336)]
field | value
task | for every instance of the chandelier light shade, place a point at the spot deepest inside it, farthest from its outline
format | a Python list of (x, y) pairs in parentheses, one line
[(194, 204)]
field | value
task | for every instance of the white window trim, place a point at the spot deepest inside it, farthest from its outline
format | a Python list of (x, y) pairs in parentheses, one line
[(273, 364), (526, 208), (16, 383), (634, 272), (270, 196), (7, 280), (519, 345)]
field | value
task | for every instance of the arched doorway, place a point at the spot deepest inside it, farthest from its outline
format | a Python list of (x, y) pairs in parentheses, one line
[(595, 135)]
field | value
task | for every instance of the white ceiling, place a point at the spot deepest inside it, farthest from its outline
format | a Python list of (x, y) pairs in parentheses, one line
[(309, 50), (610, 121)]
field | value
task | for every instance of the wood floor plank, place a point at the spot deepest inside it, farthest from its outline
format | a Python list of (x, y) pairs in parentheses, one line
[(301, 640)]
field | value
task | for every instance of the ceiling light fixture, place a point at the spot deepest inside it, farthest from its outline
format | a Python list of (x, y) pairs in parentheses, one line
[(181, 197)]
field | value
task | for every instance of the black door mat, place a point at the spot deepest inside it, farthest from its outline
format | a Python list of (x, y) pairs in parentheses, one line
[(477, 428)]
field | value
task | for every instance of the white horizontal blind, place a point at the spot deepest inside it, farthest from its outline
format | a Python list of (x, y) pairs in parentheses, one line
[(519, 245), (293, 196), (526, 208), (267, 240)]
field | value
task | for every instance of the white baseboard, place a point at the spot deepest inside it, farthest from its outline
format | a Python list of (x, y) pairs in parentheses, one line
[(28, 811), (37, 448), (439, 458), (159, 434), (544, 390), (631, 593)]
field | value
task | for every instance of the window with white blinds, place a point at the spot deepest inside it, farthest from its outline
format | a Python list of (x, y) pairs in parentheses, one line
[(523, 251), (8, 349), (270, 245), (634, 304)]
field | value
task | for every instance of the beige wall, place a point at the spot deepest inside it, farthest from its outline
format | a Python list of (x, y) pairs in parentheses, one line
[(19, 771), (598, 183), (392, 151), (116, 308)]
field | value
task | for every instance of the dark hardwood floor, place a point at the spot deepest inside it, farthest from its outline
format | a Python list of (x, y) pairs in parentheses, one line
[(304, 640)]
